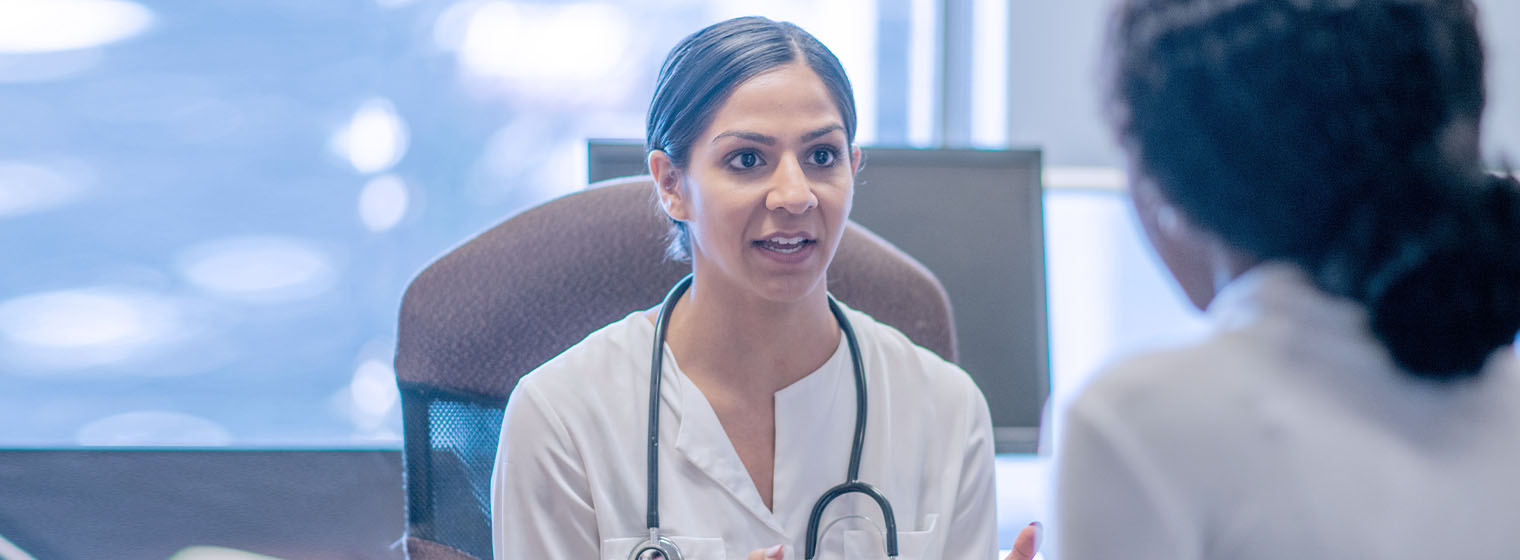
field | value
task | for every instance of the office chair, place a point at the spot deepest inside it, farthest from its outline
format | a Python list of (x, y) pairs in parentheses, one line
[(515, 296)]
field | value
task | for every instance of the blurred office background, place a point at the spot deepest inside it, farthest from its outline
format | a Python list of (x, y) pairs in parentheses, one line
[(209, 210)]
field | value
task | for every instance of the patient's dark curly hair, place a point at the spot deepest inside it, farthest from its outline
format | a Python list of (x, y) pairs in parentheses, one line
[(1341, 136)]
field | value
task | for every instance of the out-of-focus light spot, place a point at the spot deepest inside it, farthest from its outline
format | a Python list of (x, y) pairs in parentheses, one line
[(258, 269), (369, 401), (375, 139), (373, 388), (217, 553), (26, 188), (554, 44), (83, 328), (1095, 178), (59, 25), (153, 428), (90, 318), (41, 67), (383, 203)]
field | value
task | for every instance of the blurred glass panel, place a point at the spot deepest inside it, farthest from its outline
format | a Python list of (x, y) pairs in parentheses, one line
[(211, 210), (187, 264), (37, 26), (1055, 98)]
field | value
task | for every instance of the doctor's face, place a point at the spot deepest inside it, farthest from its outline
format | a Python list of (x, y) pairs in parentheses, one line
[(768, 186)]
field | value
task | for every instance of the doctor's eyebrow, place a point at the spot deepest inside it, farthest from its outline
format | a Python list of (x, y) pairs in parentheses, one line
[(771, 140), (816, 134)]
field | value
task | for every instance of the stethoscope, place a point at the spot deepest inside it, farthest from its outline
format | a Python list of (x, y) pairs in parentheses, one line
[(852, 483)]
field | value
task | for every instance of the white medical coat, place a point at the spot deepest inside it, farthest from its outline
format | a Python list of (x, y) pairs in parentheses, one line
[(570, 473), (1287, 433)]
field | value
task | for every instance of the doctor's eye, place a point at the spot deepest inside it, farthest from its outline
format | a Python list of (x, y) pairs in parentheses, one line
[(745, 160), (823, 157)]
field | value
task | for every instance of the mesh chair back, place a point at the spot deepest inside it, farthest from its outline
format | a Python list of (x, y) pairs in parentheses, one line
[(515, 296)]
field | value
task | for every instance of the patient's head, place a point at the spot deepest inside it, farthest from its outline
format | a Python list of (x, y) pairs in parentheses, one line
[(1337, 135)]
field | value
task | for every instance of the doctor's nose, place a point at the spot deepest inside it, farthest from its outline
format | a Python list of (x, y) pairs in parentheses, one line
[(790, 188)]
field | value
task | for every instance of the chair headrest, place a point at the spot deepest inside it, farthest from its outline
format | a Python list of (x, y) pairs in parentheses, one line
[(520, 293)]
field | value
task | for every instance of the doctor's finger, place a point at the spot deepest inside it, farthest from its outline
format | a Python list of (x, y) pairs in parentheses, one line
[(1027, 543), (772, 553)]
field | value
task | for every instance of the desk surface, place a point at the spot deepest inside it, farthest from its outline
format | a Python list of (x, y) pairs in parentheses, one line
[(128, 504)]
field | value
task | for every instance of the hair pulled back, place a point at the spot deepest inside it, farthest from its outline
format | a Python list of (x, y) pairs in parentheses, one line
[(1341, 136)]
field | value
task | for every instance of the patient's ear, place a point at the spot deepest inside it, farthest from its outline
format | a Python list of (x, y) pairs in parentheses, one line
[(668, 184), (1183, 247)]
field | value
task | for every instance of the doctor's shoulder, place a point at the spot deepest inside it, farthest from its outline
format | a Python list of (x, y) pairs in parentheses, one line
[(610, 361), (914, 371)]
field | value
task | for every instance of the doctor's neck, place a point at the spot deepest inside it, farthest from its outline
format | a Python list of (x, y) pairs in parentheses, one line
[(747, 342)]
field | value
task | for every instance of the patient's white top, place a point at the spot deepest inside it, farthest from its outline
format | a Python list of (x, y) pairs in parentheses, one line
[(570, 471), (1287, 433)]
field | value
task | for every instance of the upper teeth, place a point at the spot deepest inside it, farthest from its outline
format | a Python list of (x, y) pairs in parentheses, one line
[(787, 240)]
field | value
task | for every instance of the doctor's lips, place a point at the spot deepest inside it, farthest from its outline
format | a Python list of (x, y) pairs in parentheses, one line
[(786, 243)]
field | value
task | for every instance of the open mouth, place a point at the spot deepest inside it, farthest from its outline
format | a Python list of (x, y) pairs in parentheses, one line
[(785, 245)]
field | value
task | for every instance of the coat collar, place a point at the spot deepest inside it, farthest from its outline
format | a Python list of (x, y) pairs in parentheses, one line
[(804, 458)]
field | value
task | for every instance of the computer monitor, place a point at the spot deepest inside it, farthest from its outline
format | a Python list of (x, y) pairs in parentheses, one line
[(974, 218)]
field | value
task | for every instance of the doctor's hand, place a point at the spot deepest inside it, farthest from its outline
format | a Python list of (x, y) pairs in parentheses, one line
[(772, 553), (1027, 543)]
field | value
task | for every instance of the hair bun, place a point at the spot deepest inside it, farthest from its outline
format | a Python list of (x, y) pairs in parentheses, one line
[(1503, 202), (1444, 309)]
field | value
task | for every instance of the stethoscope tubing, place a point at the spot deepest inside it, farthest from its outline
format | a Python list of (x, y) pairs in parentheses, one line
[(852, 482), (662, 325)]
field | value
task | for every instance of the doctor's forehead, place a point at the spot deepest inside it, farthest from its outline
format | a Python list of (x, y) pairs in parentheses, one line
[(831, 131), (789, 102)]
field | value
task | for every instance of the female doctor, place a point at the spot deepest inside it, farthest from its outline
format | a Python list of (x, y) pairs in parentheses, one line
[(751, 145), (1309, 172)]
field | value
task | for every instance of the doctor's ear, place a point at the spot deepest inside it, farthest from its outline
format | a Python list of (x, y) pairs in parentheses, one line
[(667, 184)]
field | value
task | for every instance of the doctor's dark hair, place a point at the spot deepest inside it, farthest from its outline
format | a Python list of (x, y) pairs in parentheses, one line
[(704, 68), (1341, 136)]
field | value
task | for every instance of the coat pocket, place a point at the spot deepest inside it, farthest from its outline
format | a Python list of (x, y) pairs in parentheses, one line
[(872, 545)]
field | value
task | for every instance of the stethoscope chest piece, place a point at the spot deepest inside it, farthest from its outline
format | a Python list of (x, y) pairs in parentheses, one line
[(658, 549)]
